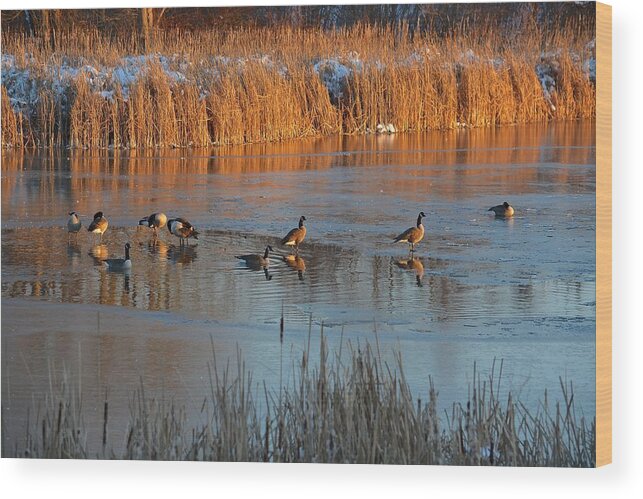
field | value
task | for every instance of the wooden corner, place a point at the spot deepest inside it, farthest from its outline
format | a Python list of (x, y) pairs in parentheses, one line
[(603, 234)]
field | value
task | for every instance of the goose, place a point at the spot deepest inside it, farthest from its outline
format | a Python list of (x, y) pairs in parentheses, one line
[(182, 229), (257, 261), (295, 237), (413, 235), (98, 225), (73, 224), (117, 264), (155, 221), (503, 210)]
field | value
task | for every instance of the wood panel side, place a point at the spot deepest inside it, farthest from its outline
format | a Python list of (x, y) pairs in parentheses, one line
[(603, 234)]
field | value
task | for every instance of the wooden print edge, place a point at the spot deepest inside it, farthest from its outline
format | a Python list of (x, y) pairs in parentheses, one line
[(603, 234)]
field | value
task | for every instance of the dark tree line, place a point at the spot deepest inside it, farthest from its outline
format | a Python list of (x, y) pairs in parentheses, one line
[(438, 18)]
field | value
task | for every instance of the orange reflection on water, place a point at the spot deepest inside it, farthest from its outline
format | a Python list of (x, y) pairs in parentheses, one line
[(143, 180)]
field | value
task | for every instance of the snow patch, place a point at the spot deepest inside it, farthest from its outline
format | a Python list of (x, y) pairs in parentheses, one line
[(333, 75), (25, 80), (589, 66), (23, 87), (547, 71)]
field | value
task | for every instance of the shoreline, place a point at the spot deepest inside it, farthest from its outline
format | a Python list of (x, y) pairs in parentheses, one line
[(7, 148), (317, 83)]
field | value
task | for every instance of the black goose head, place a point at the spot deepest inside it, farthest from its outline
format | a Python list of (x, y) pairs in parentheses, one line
[(302, 219), (72, 213), (98, 214), (505, 204)]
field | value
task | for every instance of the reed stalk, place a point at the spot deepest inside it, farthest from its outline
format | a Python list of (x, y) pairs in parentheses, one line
[(258, 84), (350, 407)]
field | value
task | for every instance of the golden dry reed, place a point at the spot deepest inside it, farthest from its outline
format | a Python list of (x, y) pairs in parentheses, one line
[(260, 84)]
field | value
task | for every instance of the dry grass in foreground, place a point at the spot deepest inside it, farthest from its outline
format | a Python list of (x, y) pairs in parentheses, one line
[(358, 411), (201, 88)]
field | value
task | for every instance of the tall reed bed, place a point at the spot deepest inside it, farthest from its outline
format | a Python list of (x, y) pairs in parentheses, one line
[(342, 408), (208, 87)]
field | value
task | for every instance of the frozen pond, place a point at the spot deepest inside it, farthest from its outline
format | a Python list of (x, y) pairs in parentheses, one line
[(521, 290)]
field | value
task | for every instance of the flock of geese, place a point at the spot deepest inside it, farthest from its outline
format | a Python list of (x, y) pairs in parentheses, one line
[(184, 230)]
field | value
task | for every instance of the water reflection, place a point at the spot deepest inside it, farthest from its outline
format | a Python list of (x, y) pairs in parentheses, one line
[(73, 252), (414, 264), (479, 283), (184, 254), (509, 222), (157, 247), (476, 288), (296, 263), (236, 180), (99, 252)]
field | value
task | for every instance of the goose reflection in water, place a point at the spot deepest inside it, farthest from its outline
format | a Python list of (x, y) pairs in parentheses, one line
[(73, 252), (297, 263), (157, 247), (414, 264), (111, 282), (183, 254), (99, 252), (257, 268), (508, 221), (126, 287)]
